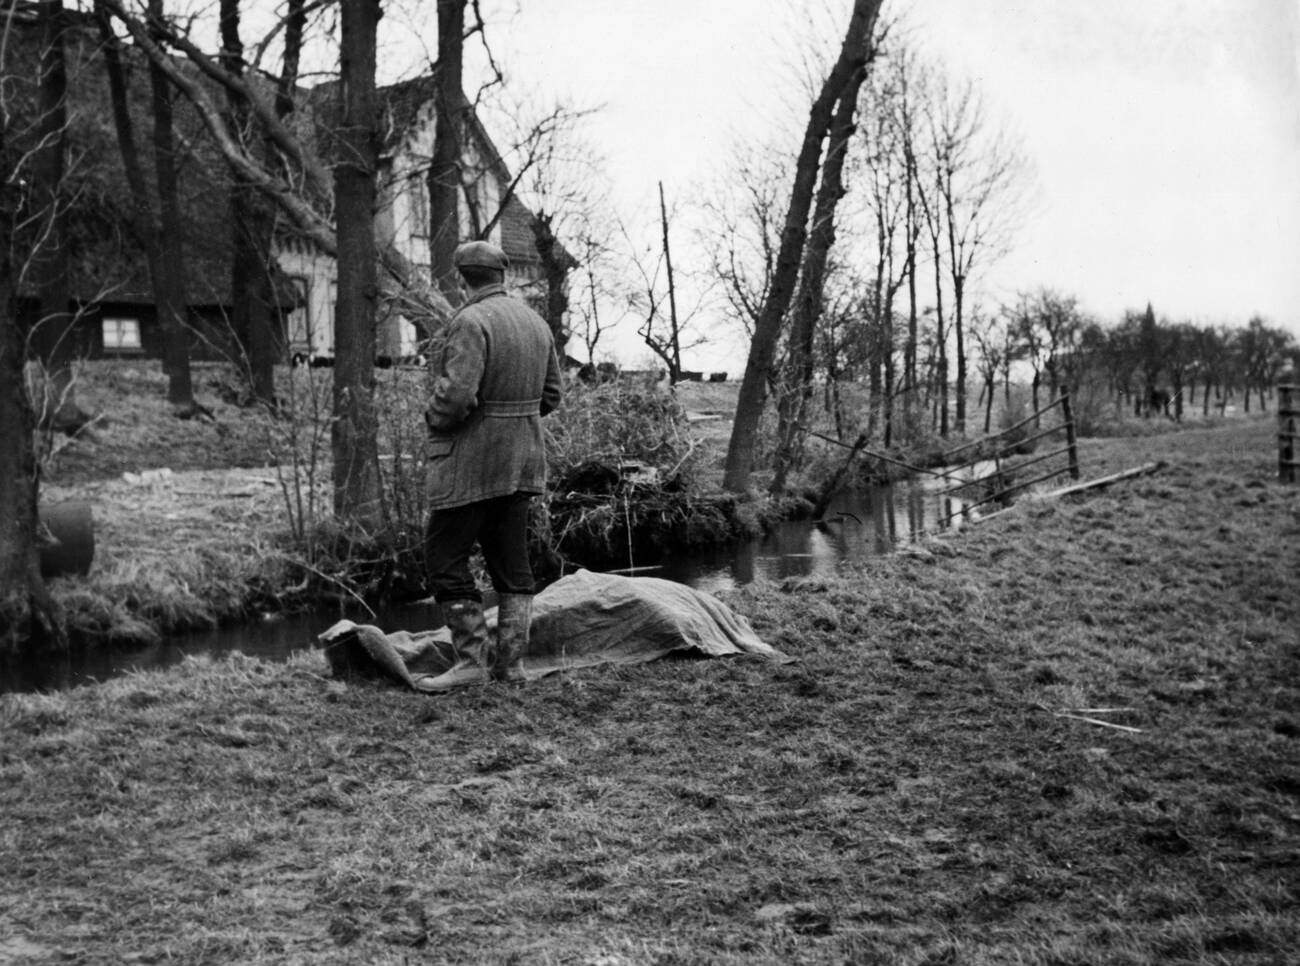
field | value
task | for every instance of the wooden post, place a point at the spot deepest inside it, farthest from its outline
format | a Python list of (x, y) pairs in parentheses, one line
[(1070, 442), (1288, 429)]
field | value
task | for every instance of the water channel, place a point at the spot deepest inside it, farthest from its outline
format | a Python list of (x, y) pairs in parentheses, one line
[(857, 525)]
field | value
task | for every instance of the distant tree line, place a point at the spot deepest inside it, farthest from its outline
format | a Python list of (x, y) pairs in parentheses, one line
[(1143, 365)]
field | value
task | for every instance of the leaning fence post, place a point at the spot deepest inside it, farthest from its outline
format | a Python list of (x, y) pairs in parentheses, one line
[(1288, 427), (1070, 442)]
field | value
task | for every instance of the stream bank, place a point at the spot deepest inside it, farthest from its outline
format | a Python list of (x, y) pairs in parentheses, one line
[(857, 526)]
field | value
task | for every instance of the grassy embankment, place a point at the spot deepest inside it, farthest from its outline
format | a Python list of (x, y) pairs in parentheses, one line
[(211, 543), (908, 792)]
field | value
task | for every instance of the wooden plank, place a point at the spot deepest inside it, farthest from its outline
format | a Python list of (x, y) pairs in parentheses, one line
[(1099, 722), (1142, 470)]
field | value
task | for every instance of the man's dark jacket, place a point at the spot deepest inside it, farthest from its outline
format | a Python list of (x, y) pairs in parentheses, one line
[(497, 375)]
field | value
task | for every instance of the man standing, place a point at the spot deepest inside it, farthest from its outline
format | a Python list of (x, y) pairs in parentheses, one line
[(497, 376)]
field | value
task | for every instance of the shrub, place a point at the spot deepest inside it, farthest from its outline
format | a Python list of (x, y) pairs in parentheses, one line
[(614, 422)]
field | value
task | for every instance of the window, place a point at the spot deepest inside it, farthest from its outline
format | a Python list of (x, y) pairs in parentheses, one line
[(419, 201), (298, 318), (121, 335)]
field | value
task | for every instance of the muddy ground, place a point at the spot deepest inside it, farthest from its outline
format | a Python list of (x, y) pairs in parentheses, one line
[(1067, 735)]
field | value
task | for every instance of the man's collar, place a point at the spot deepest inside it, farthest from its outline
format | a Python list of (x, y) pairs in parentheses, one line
[(487, 291)]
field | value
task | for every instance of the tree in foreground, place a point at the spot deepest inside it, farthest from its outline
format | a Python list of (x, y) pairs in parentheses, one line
[(792, 409), (355, 426), (29, 618), (780, 292)]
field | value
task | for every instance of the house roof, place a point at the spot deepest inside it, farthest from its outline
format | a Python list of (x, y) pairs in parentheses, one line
[(106, 260)]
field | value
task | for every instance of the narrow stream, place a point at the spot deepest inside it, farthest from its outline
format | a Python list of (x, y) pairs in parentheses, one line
[(857, 525)]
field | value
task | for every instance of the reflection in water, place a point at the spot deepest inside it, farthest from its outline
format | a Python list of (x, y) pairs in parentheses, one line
[(273, 639), (857, 525)]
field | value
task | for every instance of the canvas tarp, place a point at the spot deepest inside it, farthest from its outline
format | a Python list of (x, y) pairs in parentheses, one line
[(581, 620)]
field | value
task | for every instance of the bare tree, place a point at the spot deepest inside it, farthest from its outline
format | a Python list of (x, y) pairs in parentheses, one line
[(600, 290), (1211, 350), (354, 439), (156, 229), (557, 174), (666, 329), (53, 335), (450, 108), (927, 191), (1263, 351), (169, 286), (753, 388), (792, 408), (978, 178), (880, 162), (995, 351), (907, 83), (1048, 326), (744, 232), (29, 618), (254, 312)]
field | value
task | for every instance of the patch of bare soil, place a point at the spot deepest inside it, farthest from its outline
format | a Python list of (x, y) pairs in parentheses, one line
[(1067, 735)]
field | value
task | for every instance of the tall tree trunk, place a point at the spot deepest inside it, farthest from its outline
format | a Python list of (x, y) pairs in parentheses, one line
[(295, 22), (940, 335), (355, 427), (169, 286), (957, 265), (444, 166), (767, 328), (793, 408), (54, 337), (959, 339), (876, 390), (145, 223), (912, 230), (674, 324), (29, 619), (886, 291), (251, 233)]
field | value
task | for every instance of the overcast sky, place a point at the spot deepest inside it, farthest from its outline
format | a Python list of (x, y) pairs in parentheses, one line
[(1165, 134)]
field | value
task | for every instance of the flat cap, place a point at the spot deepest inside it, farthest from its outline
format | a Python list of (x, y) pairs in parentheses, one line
[(481, 254)]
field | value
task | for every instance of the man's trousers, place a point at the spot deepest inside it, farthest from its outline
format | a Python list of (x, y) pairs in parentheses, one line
[(500, 527)]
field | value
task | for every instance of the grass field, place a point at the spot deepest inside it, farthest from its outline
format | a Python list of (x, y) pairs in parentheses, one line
[(920, 787)]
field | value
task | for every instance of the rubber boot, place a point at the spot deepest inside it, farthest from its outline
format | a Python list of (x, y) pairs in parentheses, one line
[(469, 636), (514, 615)]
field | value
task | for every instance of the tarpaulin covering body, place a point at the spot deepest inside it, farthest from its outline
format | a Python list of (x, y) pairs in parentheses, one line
[(581, 620)]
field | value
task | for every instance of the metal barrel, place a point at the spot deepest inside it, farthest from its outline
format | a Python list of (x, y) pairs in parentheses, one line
[(67, 539)]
